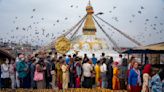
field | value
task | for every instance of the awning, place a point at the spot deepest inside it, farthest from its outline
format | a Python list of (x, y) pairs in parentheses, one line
[(157, 46), (149, 49), (140, 51)]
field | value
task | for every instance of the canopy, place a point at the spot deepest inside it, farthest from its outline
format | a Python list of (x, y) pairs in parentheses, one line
[(149, 49), (157, 46)]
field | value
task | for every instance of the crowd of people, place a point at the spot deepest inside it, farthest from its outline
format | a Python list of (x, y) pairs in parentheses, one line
[(54, 71)]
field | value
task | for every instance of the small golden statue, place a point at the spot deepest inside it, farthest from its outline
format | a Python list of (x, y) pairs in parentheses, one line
[(62, 45)]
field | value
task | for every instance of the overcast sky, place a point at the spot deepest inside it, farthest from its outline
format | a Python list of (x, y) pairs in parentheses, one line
[(25, 20)]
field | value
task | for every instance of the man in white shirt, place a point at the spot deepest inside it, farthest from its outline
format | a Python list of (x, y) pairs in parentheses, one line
[(103, 70), (87, 68), (87, 73), (119, 60), (5, 74)]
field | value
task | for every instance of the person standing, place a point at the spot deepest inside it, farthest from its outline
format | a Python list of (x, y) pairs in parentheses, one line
[(103, 69), (146, 78), (12, 74), (22, 69), (94, 59), (115, 79), (48, 76), (97, 72), (87, 73), (130, 63), (122, 74), (59, 73), (5, 74), (110, 72), (102, 56), (18, 59), (157, 81), (85, 59), (78, 71), (67, 60), (65, 77), (32, 72), (120, 60), (53, 73), (27, 78), (134, 79), (71, 74), (39, 75)]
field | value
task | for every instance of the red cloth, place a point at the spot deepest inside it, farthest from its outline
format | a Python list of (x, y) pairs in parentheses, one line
[(116, 63), (147, 69), (135, 88), (59, 83), (78, 82), (101, 82)]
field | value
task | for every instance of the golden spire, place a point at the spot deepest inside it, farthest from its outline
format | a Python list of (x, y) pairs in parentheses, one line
[(89, 26)]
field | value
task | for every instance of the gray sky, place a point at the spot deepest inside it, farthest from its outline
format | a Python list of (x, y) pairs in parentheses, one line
[(141, 19)]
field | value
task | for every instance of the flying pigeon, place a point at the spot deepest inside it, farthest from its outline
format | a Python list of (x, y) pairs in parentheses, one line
[(33, 10), (17, 28), (66, 18), (71, 6), (133, 15), (32, 17), (155, 17), (147, 20), (42, 18), (114, 7), (142, 7), (139, 12)]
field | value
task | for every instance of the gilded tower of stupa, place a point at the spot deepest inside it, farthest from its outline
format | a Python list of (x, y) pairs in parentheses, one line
[(89, 25), (88, 42)]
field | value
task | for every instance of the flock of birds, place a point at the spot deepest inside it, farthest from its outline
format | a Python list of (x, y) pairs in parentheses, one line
[(149, 26), (36, 35)]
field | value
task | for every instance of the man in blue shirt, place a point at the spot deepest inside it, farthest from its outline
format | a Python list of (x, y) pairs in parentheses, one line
[(94, 59), (67, 60)]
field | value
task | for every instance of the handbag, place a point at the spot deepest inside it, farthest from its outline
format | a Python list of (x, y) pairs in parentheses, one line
[(38, 76)]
